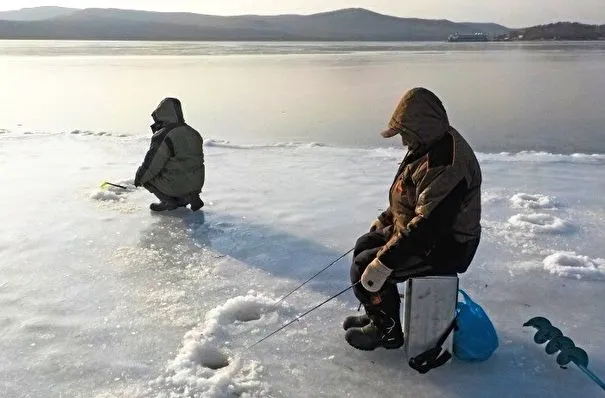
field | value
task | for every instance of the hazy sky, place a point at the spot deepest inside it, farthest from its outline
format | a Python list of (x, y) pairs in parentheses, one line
[(513, 13)]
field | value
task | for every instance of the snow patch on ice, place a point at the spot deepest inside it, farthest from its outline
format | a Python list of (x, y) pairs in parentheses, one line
[(96, 133), (390, 153), (535, 201), (540, 223), (542, 157), (105, 196), (572, 265), (491, 197), (82, 133), (115, 198), (515, 157), (237, 309), (228, 144), (203, 368), (111, 193)]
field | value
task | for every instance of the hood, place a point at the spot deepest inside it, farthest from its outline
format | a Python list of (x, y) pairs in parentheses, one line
[(169, 111), (420, 118)]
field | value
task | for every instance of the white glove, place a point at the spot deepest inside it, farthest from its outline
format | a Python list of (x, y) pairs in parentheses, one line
[(375, 276), (377, 224)]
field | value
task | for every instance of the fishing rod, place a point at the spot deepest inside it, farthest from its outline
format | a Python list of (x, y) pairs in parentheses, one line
[(301, 316), (104, 183), (314, 276)]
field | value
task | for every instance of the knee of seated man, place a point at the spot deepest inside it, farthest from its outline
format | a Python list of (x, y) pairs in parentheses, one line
[(362, 241), (363, 259)]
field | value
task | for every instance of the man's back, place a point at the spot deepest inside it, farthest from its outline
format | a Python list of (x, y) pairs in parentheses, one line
[(467, 224), (184, 170), (174, 164)]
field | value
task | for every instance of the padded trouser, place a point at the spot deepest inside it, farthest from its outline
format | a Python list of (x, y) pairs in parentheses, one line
[(447, 260), (166, 198)]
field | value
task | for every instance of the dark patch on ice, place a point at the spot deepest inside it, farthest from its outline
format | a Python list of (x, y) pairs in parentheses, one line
[(248, 316), (216, 365), (224, 225), (213, 359)]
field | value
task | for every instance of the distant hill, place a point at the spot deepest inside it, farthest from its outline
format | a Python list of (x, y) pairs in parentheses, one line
[(557, 31), (35, 14), (353, 24)]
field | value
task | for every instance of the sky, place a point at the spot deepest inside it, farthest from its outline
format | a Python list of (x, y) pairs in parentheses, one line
[(512, 13)]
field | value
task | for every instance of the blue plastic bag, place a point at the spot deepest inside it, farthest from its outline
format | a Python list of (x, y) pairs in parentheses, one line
[(475, 338)]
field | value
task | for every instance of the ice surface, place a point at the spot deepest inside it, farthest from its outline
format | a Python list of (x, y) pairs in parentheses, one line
[(102, 298)]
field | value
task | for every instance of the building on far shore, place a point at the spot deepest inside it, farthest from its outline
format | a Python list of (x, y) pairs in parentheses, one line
[(475, 37)]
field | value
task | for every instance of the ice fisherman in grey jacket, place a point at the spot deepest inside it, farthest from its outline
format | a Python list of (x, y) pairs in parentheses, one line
[(173, 169)]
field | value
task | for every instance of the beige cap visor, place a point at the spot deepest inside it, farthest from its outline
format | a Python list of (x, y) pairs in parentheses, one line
[(389, 133)]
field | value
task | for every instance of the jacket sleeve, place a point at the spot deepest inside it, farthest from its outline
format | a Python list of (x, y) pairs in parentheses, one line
[(440, 193), (155, 160)]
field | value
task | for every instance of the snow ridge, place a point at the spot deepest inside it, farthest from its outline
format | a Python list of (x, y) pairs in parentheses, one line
[(573, 265), (206, 367)]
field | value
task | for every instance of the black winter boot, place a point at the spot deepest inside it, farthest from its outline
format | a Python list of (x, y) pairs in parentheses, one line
[(356, 321), (196, 202), (163, 206), (384, 330)]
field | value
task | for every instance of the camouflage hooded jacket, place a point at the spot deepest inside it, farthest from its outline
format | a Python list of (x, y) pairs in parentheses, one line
[(435, 198)]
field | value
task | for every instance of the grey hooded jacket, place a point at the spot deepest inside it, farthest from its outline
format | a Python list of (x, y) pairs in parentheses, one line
[(174, 163)]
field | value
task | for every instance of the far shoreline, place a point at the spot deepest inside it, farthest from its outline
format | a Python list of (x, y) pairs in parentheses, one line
[(155, 40)]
